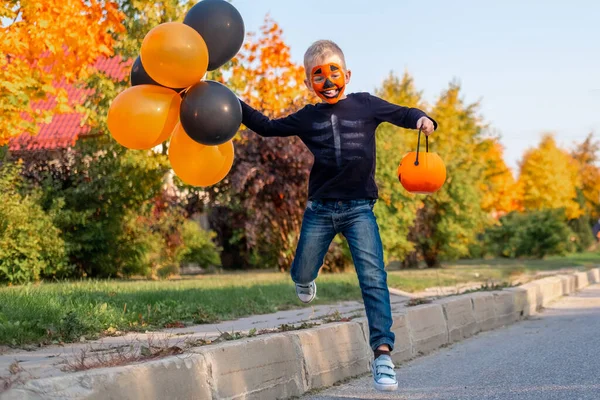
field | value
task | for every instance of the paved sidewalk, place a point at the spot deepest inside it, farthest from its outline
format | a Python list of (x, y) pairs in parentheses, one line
[(553, 356)]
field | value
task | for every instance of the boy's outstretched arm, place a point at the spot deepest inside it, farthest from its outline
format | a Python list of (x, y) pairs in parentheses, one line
[(259, 123), (404, 117)]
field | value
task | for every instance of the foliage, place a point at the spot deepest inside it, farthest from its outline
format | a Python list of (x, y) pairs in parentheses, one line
[(262, 200), (31, 247), (396, 207), (265, 76), (587, 156), (583, 233), (447, 222), (199, 247), (103, 189), (499, 194), (536, 233), (47, 42), (549, 179), (177, 239), (110, 219)]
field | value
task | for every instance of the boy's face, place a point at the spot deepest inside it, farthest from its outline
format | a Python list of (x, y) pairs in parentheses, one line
[(328, 79)]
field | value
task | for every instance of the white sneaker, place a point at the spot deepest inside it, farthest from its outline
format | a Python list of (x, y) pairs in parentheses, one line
[(384, 376), (306, 293)]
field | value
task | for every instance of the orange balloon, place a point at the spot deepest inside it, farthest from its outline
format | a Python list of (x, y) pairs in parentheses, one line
[(197, 164), (174, 55), (143, 116)]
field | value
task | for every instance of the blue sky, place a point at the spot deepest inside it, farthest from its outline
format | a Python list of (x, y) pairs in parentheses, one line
[(534, 65)]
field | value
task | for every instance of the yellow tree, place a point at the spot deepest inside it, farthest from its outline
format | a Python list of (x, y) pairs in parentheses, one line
[(549, 179), (447, 224), (44, 42), (499, 186), (586, 156), (397, 208), (264, 74)]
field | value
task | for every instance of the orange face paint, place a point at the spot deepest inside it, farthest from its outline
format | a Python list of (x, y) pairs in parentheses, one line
[(328, 82)]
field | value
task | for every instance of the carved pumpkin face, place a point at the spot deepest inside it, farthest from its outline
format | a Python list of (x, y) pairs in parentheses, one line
[(426, 178), (329, 82)]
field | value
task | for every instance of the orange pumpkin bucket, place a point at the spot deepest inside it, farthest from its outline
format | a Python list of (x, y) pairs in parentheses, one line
[(422, 173)]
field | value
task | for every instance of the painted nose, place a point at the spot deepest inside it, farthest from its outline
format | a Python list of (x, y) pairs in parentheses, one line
[(328, 84)]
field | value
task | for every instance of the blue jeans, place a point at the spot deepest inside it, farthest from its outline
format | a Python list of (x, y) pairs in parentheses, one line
[(355, 220)]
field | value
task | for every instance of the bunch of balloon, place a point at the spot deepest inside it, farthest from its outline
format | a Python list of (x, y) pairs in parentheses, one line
[(169, 97)]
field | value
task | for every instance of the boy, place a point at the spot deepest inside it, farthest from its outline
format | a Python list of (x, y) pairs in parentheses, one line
[(340, 132)]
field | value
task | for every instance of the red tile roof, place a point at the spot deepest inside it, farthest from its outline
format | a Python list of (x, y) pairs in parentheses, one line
[(64, 129)]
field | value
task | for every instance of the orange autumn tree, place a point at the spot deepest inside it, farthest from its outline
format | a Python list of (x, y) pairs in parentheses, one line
[(587, 156), (498, 187), (549, 179), (42, 43), (264, 74)]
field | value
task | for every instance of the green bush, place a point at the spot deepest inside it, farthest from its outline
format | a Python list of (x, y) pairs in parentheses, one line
[(531, 234), (31, 246), (583, 233), (105, 191), (198, 246)]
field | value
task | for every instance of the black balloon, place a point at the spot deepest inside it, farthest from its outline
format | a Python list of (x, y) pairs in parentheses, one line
[(210, 113), (222, 28), (139, 76)]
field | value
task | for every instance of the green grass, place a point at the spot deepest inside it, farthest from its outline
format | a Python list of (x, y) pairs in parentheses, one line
[(484, 270), (50, 312), (62, 312)]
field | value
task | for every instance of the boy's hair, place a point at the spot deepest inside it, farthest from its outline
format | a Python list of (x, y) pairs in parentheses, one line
[(321, 49)]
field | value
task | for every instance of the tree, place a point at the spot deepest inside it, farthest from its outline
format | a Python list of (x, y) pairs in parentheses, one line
[(44, 43), (498, 186), (265, 76), (396, 208), (448, 221), (586, 155), (112, 210), (549, 179)]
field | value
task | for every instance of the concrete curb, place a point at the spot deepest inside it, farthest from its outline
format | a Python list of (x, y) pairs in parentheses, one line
[(284, 365)]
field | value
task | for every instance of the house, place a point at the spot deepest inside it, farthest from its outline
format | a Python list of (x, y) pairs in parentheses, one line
[(64, 129)]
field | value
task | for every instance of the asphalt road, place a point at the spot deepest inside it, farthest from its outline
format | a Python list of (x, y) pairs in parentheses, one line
[(555, 355)]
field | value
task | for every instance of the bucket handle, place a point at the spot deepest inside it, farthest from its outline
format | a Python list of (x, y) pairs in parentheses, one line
[(419, 145)]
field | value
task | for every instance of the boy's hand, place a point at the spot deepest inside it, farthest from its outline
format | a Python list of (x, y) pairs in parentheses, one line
[(426, 124)]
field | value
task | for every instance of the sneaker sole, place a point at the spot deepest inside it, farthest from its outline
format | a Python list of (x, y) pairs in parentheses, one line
[(386, 388)]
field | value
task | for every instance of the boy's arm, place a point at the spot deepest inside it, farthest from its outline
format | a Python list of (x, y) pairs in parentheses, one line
[(404, 117), (257, 122)]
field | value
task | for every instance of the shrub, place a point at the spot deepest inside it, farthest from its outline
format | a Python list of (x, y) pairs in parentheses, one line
[(103, 189), (257, 210), (583, 233), (198, 246), (531, 234), (31, 246)]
